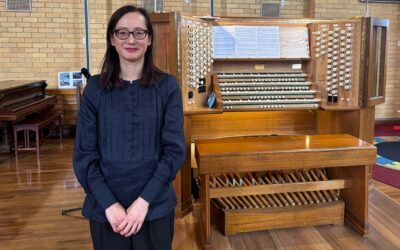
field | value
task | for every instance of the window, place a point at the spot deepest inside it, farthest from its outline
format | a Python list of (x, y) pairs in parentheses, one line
[(19, 5)]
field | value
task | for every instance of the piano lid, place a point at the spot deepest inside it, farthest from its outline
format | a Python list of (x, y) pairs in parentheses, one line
[(21, 98), (16, 84)]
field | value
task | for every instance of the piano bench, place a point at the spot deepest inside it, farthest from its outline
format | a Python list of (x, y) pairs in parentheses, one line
[(36, 124)]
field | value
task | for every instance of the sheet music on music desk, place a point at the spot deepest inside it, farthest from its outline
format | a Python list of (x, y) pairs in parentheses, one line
[(294, 42), (246, 42), (224, 41), (268, 42)]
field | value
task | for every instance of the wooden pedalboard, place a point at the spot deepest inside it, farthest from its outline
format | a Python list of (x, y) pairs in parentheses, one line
[(276, 208), (232, 221), (262, 167)]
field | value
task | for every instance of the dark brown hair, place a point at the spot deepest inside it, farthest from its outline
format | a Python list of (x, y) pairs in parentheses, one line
[(111, 69)]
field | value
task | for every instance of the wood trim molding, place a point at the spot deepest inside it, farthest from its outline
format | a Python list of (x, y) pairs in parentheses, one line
[(387, 121)]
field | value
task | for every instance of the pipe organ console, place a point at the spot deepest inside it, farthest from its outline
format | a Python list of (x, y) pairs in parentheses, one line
[(296, 77)]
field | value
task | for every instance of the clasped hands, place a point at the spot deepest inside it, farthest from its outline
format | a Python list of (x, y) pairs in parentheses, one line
[(130, 221)]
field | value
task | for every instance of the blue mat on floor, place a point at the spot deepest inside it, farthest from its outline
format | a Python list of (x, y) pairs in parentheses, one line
[(389, 150)]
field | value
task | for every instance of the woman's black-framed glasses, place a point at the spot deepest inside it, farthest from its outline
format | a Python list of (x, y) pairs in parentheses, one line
[(124, 34)]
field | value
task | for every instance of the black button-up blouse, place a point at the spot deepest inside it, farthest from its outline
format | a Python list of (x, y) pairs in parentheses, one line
[(129, 143)]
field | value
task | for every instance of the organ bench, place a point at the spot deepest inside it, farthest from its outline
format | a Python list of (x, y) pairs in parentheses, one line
[(259, 183)]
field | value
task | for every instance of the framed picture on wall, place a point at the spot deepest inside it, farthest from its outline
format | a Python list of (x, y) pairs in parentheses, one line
[(381, 1), (69, 80)]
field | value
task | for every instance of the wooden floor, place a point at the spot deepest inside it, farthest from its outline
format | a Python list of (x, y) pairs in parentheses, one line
[(33, 194)]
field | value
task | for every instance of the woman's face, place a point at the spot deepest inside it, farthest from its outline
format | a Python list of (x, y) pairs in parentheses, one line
[(132, 49)]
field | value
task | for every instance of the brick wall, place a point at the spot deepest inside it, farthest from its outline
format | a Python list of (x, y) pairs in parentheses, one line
[(37, 45), (240, 8)]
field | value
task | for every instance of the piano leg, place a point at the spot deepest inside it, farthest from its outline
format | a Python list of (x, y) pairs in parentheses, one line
[(5, 146)]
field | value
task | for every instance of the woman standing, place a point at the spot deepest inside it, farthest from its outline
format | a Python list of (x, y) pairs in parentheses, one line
[(129, 141)]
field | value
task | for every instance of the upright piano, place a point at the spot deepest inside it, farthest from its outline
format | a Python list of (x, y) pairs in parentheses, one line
[(18, 100)]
